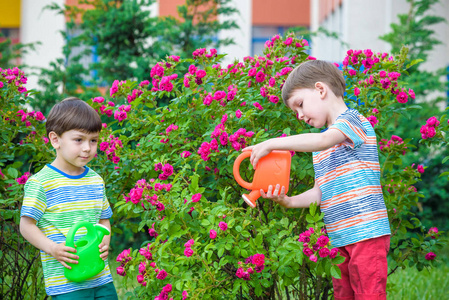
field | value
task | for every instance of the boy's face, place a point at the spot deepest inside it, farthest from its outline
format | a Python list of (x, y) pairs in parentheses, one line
[(74, 148), (309, 106)]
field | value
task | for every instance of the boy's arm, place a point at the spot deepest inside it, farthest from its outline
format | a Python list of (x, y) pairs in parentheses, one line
[(37, 238), (302, 200), (104, 245), (306, 142)]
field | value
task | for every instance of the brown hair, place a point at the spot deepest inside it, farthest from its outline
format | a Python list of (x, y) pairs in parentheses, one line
[(305, 75), (73, 113)]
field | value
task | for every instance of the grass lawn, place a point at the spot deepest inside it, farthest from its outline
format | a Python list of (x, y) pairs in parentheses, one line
[(428, 284)]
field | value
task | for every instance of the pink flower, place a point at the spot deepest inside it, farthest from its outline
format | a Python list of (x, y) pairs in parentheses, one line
[(161, 275), (352, 72), (188, 252), (135, 194), (184, 295), (288, 41), (192, 69), (307, 251), (402, 97), (239, 272), (433, 121), (120, 115), (274, 99), (39, 116), (167, 288), (334, 252), (260, 76), (313, 258), (219, 95), (373, 120), (421, 169), (142, 266), (322, 241), (185, 154), (258, 259), (252, 72), (200, 73), (167, 169), (140, 278), (196, 197), (382, 74), (238, 114), (223, 226), (324, 252), (411, 93), (23, 179), (356, 91), (212, 234), (121, 271), (433, 230), (430, 256)]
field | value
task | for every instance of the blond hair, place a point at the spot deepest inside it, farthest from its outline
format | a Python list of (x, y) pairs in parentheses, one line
[(305, 75)]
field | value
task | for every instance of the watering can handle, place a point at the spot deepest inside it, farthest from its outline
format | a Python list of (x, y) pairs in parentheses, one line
[(236, 170), (71, 234)]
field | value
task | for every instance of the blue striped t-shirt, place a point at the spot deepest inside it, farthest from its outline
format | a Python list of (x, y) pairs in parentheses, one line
[(348, 175)]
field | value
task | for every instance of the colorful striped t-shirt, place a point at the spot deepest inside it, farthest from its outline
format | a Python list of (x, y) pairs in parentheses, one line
[(57, 201), (348, 175)]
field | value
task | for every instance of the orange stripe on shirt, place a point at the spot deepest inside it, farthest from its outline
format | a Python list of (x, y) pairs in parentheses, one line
[(367, 217), (356, 193)]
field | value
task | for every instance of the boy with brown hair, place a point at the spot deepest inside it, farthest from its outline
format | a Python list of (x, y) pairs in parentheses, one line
[(347, 177), (64, 193)]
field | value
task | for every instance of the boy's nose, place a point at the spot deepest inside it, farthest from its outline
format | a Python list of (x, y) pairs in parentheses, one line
[(299, 115), (86, 147)]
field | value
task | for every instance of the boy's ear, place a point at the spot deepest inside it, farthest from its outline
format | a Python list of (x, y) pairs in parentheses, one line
[(321, 88), (54, 139)]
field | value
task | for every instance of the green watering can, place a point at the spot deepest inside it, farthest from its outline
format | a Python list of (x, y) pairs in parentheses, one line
[(89, 263)]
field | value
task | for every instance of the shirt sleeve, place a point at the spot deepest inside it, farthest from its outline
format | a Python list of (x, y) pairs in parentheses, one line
[(34, 200), (353, 130), (106, 211)]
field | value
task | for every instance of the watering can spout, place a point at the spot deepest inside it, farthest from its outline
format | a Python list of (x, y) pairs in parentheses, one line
[(101, 232)]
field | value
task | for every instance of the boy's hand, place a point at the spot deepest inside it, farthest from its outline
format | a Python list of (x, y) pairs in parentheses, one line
[(104, 250), (62, 254), (278, 195), (258, 151)]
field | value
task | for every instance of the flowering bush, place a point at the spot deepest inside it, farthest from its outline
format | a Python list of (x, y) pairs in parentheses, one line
[(170, 168)]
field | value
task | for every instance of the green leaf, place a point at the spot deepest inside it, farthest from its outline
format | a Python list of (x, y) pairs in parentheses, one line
[(259, 239), (338, 260), (312, 209), (310, 219), (414, 62), (336, 272), (13, 173), (205, 222)]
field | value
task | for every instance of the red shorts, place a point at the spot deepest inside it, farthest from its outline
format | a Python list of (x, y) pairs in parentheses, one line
[(364, 271)]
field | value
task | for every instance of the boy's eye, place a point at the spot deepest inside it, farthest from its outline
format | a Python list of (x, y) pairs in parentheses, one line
[(94, 141), (77, 140)]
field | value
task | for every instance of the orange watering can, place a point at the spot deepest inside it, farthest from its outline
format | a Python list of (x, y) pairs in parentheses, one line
[(272, 169)]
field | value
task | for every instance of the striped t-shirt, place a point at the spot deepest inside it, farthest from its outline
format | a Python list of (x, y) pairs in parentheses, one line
[(348, 175), (57, 201)]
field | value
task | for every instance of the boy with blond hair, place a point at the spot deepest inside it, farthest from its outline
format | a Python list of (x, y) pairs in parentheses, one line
[(347, 177), (64, 193)]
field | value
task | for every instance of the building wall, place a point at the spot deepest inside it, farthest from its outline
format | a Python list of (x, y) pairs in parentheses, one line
[(43, 26), (241, 36), (360, 23)]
